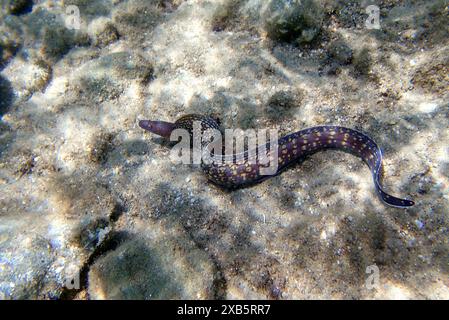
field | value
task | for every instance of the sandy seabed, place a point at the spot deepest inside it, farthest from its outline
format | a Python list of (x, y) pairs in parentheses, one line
[(86, 195)]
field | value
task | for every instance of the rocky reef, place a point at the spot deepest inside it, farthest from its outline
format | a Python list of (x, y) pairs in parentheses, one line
[(91, 207)]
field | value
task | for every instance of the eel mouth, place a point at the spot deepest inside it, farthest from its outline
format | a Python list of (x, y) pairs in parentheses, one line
[(145, 124)]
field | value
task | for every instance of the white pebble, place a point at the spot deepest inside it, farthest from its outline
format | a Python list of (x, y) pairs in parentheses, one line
[(419, 224)]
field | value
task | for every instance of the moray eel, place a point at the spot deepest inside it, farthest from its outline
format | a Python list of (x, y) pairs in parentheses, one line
[(232, 173)]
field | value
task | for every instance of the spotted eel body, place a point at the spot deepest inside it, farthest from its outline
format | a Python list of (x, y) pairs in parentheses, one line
[(236, 172)]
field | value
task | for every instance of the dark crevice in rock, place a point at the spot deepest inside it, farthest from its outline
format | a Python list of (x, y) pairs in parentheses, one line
[(117, 211), (6, 95), (110, 243), (20, 7), (219, 284)]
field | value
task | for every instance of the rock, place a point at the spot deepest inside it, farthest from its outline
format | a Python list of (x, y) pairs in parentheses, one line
[(282, 103), (90, 9), (293, 21), (35, 259), (226, 15), (121, 65), (135, 19), (47, 236), (27, 77), (57, 41), (103, 32), (25, 259), (433, 77), (100, 147), (107, 36), (362, 62), (340, 52), (85, 194), (98, 89), (10, 40), (152, 265), (433, 27), (103, 79)]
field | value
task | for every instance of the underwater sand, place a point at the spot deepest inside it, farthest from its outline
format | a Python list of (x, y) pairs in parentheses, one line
[(86, 194)]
